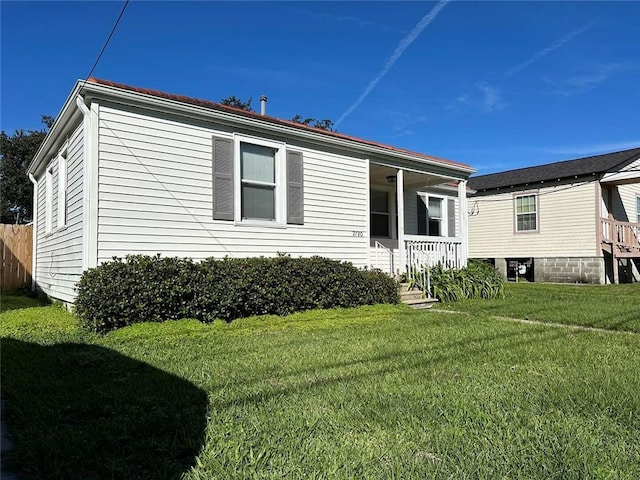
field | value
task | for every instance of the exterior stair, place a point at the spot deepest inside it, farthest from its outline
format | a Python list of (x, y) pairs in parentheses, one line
[(414, 298)]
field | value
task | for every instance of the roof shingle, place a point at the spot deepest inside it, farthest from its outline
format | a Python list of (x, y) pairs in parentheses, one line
[(220, 107), (555, 171)]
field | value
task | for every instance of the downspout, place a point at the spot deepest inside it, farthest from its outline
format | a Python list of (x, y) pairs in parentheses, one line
[(87, 171), (34, 234)]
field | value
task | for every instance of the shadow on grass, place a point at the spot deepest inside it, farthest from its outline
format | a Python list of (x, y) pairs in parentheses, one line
[(15, 300), (80, 411)]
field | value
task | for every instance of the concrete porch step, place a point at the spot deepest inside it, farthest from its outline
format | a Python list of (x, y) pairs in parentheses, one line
[(410, 295), (421, 303), (414, 298)]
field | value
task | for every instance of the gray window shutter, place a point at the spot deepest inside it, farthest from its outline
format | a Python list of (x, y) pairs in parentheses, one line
[(222, 178), (451, 217), (295, 192), (422, 215)]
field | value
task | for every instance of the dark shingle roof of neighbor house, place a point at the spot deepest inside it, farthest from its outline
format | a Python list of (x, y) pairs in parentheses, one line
[(555, 171)]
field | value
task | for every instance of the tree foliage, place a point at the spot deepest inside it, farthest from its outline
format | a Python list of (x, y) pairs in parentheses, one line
[(235, 102), (16, 191), (324, 124)]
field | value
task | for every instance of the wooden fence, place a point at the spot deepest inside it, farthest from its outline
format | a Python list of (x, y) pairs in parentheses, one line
[(16, 249)]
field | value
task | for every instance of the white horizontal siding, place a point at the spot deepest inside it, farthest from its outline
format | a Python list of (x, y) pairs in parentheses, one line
[(59, 253), (626, 209), (566, 224), (155, 196)]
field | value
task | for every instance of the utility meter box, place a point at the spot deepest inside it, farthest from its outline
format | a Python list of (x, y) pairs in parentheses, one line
[(520, 269)]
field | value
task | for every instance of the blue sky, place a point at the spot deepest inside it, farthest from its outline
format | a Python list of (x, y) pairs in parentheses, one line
[(497, 85)]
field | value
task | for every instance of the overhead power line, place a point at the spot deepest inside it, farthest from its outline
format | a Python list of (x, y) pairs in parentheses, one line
[(104, 47)]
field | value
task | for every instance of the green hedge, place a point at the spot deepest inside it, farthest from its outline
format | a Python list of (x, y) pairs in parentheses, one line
[(143, 288)]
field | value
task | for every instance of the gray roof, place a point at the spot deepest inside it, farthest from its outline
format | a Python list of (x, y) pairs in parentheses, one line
[(580, 167)]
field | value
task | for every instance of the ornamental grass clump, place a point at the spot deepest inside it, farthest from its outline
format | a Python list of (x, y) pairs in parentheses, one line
[(477, 280), (153, 289)]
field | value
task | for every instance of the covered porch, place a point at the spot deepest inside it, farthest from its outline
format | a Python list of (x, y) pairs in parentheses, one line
[(417, 218), (618, 227)]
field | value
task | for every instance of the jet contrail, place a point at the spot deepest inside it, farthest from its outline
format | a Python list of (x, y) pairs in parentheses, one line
[(546, 51), (402, 46)]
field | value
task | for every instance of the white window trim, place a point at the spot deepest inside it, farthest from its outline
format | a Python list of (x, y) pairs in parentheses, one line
[(280, 177), (48, 209), (444, 213), (62, 187), (638, 208), (515, 212)]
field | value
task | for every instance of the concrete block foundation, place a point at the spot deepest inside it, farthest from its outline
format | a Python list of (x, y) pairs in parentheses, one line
[(561, 269)]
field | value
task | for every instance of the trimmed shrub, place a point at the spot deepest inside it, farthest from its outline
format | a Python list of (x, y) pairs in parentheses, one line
[(142, 288), (139, 289)]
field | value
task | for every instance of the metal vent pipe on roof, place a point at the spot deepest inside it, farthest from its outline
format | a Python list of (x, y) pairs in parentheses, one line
[(263, 104)]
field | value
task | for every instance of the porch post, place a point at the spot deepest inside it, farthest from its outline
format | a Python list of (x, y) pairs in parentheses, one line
[(400, 203), (462, 215)]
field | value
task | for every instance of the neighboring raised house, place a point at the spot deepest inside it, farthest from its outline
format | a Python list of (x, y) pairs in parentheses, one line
[(572, 221), (126, 170)]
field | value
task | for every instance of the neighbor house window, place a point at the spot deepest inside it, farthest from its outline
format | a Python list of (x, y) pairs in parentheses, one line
[(380, 214), (62, 188), (526, 213), (48, 209), (258, 182), (638, 209)]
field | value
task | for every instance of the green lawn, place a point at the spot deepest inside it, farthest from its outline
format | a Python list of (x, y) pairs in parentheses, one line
[(377, 392), (613, 307)]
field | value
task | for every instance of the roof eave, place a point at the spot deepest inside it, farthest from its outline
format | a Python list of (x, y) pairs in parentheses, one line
[(134, 98), (67, 113)]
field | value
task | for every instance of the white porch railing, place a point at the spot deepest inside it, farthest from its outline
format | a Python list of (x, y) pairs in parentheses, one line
[(384, 258), (431, 251)]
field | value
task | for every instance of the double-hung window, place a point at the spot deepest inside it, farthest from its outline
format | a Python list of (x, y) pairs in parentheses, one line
[(435, 216), (526, 213), (258, 182), (48, 208), (638, 209), (380, 213), (62, 187)]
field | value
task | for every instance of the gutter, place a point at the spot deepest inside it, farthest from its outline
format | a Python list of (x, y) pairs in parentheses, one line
[(234, 119), (88, 172)]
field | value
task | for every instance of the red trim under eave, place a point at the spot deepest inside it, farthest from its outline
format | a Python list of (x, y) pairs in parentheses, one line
[(218, 106)]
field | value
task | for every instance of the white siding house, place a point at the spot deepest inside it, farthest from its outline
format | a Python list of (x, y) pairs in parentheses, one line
[(149, 172), (571, 221)]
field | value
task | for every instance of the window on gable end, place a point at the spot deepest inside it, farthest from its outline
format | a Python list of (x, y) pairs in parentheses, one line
[(48, 208), (62, 187)]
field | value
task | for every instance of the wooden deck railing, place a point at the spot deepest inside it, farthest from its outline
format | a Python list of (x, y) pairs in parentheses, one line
[(624, 237)]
